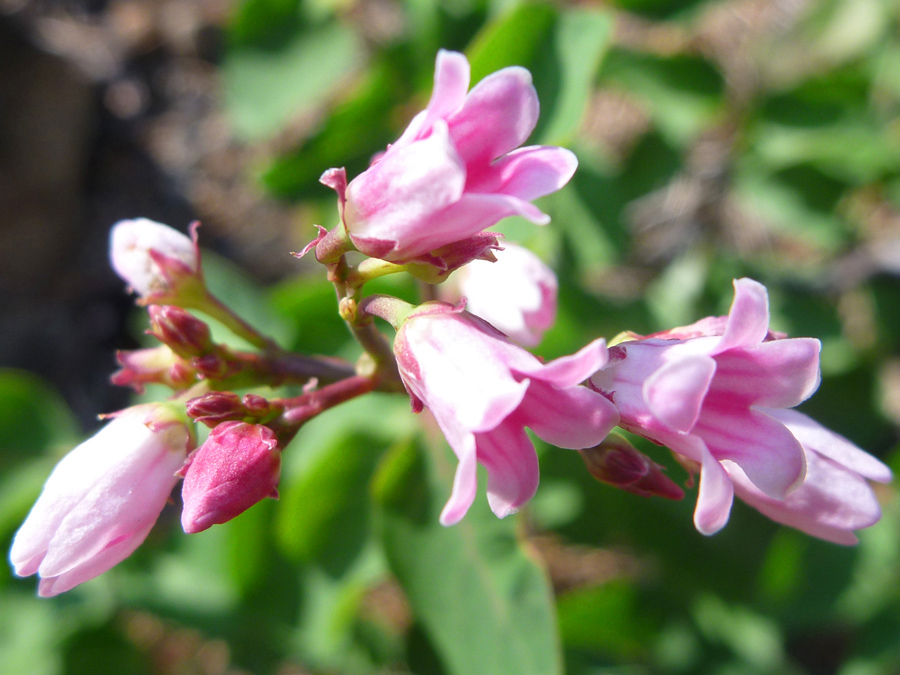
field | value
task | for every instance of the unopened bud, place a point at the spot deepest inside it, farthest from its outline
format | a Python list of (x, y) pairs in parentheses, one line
[(238, 466), (159, 365), (158, 262), (213, 366), (182, 332), (216, 407), (618, 463)]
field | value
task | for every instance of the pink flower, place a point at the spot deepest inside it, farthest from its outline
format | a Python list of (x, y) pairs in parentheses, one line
[(455, 170), (516, 294), (102, 498), (237, 466), (153, 258), (483, 391), (718, 394)]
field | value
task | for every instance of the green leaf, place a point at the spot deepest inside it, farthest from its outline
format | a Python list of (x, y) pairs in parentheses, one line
[(323, 512), (484, 604), (568, 70), (511, 39), (33, 418), (684, 93), (361, 125), (266, 87)]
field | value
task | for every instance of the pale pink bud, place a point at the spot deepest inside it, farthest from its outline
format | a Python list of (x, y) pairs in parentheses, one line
[(154, 259), (237, 466), (718, 393), (159, 365), (103, 498), (483, 391), (516, 294), (456, 170)]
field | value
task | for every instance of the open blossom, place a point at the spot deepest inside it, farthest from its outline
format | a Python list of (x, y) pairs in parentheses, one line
[(237, 466), (103, 498), (455, 170), (516, 294), (718, 393), (483, 391), (153, 258)]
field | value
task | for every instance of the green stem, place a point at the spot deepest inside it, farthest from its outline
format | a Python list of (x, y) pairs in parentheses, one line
[(371, 268), (211, 305)]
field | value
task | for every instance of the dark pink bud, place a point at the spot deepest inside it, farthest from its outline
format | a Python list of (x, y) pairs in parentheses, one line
[(182, 332), (616, 462), (216, 407), (237, 466), (213, 366)]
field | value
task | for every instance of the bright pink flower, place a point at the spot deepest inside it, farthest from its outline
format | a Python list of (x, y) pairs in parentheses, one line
[(237, 466), (483, 391), (153, 258), (455, 170), (516, 294), (103, 498), (717, 393)]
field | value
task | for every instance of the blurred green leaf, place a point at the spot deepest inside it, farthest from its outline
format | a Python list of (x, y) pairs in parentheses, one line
[(361, 125), (33, 418), (606, 618), (484, 604), (565, 72), (511, 39), (684, 93), (271, 81)]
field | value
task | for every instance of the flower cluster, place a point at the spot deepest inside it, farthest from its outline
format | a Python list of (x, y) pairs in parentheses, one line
[(719, 393)]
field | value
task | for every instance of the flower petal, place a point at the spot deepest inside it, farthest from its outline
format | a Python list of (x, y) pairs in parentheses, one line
[(716, 492), (465, 481), (762, 446), (675, 393), (776, 374), (567, 371), (498, 116), (832, 502), (512, 466), (813, 436), (573, 418), (395, 197), (526, 173), (748, 319)]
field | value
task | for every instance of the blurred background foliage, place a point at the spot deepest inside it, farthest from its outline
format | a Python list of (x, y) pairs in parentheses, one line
[(717, 139)]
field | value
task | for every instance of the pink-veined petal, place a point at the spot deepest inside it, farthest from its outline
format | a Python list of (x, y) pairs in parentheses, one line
[(570, 370), (832, 502), (776, 374), (395, 198), (572, 418), (498, 116), (748, 319), (822, 440), (716, 492), (675, 393), (763, 447), (526, 173)]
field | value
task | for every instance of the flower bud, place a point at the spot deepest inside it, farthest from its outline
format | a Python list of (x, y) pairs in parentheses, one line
[(216, 407), (103, 498), (156, 260), (616, 462), (516, 293), (182, 332), (237, 466), (159, 365)]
